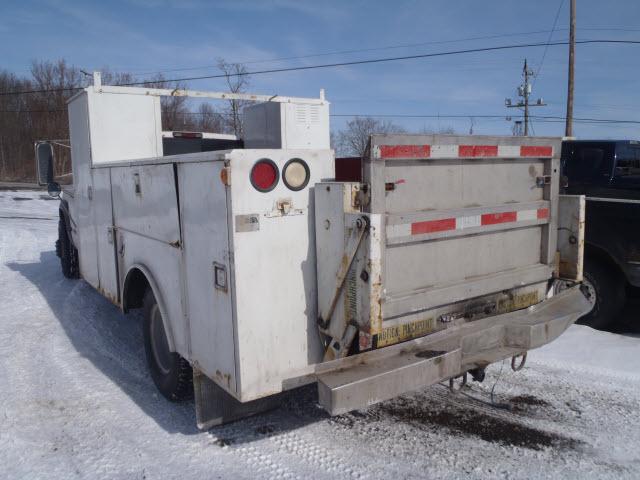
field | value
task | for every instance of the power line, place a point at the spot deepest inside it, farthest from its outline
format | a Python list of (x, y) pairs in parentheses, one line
[(544, 54), (387, 59), (359, 50), (387, 47), (343, 64), (537, 117), (406, 115)]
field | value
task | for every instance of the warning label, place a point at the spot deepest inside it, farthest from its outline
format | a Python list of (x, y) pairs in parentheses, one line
[(400, 333), (518, 302)]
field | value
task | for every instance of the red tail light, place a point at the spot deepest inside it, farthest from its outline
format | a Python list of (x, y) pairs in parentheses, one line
[(264, 175)]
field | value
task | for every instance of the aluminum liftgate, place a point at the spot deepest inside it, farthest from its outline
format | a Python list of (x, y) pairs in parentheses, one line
[(448, 246)]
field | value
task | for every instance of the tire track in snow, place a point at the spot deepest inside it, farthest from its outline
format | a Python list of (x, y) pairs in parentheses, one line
[(330, 462)]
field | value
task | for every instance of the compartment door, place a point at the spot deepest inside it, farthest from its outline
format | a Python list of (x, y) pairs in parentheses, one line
[(105, 237), (207, 270)]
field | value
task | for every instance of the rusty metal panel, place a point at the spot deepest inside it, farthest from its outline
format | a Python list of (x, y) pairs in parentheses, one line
[(332, 201), (571, 229), (465, 217), (339, 242)]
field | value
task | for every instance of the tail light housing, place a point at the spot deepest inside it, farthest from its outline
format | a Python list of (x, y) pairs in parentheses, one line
[(295, 174), (264, 175)]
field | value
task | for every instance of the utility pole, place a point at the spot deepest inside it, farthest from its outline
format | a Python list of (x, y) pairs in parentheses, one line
[(572, 52), (527, 91), (524, 91)]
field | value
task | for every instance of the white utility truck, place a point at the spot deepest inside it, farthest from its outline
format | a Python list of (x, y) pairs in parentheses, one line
[(258, 273)]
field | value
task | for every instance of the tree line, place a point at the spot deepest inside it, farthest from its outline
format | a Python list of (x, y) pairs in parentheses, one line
[(27, 118)]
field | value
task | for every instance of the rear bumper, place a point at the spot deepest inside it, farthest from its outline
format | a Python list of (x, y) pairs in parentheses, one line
[(371, 377)]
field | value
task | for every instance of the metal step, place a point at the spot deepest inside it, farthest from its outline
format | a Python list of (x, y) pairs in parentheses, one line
[(365, 379), (341, 391)]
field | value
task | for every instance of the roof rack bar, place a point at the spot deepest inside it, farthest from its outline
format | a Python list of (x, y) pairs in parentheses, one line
[(167, 92)]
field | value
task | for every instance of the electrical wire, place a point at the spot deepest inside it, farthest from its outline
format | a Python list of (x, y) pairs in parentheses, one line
[(400, 115), (496, 382), (386, 47), (343, 64), (544, 54), (359, 50), (387, 59)]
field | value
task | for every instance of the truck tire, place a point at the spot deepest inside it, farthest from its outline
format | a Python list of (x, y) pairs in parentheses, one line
[(606, 290), (170, 372), (67, 252)]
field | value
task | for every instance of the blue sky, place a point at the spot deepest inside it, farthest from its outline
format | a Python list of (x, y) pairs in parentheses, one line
[(145, 36)]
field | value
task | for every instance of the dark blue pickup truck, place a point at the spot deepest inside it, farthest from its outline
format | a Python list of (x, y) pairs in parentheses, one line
[(607, 172)]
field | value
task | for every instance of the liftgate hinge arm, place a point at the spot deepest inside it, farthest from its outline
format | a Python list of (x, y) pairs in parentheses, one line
[(362, 224)]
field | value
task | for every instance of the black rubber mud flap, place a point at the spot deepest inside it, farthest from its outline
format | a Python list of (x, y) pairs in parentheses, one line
[(215, 407)]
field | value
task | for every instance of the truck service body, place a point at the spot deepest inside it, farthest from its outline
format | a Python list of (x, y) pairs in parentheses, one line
[(263, 273)]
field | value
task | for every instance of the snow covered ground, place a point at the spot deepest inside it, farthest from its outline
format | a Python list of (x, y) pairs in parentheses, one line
[(76, 400)]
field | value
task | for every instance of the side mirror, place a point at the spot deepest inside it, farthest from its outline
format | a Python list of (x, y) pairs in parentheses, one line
[(44, 168), (54, 189), (44, 163)]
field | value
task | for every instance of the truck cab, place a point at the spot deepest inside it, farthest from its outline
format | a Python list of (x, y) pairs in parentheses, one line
[(607, 172)]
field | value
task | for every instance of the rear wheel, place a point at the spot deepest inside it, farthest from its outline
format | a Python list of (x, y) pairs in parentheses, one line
[(67, 252), (170, 372), (605, 289)]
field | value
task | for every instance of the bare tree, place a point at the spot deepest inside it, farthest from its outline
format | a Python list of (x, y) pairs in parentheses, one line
[(15, 135), (209, 120), (175, 110), (27, 118), (354, 139), (237, 81), (115, 78), (47, 111)]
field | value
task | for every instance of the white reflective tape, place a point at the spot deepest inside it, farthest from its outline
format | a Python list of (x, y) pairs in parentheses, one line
[(468, 222), (400, 230), (444, 151), (508, 151), (527, 215)]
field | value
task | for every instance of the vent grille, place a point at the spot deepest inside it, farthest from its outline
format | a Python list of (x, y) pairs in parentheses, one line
[(301, 114), (315, 114)]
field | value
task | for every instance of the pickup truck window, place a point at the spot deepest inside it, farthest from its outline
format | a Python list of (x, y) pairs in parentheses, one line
[(627, 161), (588, 164)]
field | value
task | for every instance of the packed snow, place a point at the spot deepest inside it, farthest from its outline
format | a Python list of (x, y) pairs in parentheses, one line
[(76, 400)]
